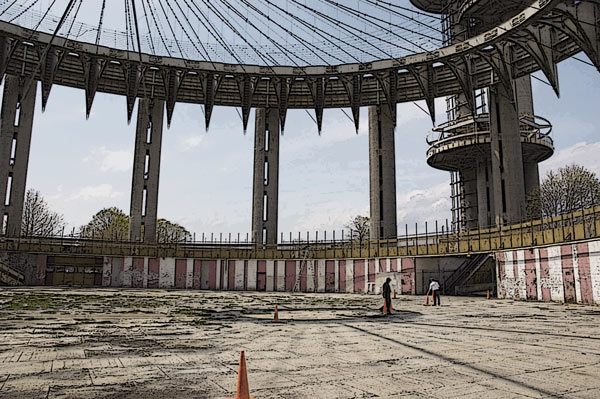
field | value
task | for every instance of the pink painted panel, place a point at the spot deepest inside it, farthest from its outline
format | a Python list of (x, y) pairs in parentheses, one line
[(197, 274), (530, 276), (261, 277), (212, 274), (585, 277), (408, 264), (137, 275), (290, 275), (382, 268), (329, 276), (342, 274), (545, 273), (231, 275), (566, 256), (40, 274), (303, 274), (275, 276), (153, 272), (394, 265), (180, 272), (359, 276), (371, 275)]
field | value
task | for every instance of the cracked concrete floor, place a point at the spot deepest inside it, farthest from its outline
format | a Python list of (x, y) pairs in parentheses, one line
[(105, 343)]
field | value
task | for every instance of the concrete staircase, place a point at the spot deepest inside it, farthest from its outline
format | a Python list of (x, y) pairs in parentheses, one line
[(10, 276), (455, 284)]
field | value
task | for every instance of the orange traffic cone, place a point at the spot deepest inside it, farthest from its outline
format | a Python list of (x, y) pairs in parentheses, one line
[(243, 392), (276, 316), (488, 294), (394, 294), (426, 300), (384, 309)]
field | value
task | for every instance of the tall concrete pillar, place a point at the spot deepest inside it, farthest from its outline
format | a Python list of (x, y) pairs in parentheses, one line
[(265, 189), (15, 140), (485, 205), (524, 96), (382, 170), (507, 157), (146, 170), (469, 185)]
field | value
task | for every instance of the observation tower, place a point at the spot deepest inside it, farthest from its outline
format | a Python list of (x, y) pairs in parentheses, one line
[(492, 142)]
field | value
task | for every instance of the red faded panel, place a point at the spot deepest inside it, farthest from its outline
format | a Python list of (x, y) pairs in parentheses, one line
[(545, 273), (303, 274), (407, 280), (566, 257), (197, 274), (274, 275), (371, 271), (231, 275), (408, 264), (500, 256), (394, 265), (245, 275), (41, 269), (585, 277), (290, 275), (212, 274), (530, 277), (329, 276), (342, 273), (153, 270), (180, 272), (359, 276), (137, 275), (382, 268), (261, 277)]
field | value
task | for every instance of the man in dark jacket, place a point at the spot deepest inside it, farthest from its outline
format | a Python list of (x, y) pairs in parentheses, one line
[(387, 295)]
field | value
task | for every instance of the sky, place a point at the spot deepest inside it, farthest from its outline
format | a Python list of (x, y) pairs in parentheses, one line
[(81, 166)]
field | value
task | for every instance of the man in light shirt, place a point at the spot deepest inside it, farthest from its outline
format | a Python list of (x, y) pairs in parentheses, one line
[(434, 287)]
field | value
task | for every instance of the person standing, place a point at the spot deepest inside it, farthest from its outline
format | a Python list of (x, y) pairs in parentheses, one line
[(387, 295), (434, 287)]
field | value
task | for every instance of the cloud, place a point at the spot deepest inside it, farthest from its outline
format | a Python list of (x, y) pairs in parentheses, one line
[(581, 153), (101, 191), (191, 142), (111, 161), (428, 204)]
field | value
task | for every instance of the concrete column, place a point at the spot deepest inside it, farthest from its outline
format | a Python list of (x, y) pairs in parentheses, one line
[(15, 140), (146, 170), (382, 168), (265, 189), (485, 204), (507, 157), (469, 182), (524, 95)]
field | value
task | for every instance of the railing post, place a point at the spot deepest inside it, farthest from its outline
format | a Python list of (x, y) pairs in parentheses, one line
[(426, 243), (406, 237), (437, 238), (417, 238)]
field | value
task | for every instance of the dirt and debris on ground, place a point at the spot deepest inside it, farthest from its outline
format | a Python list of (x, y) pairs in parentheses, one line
[(108, 343)]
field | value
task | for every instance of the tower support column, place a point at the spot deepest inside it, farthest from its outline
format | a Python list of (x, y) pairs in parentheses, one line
[(265, 189), (146, 170), (382, 171), (15, 141), (507, 157)]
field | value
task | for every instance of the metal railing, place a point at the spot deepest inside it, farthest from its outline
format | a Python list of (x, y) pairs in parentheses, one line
[(575, 226)]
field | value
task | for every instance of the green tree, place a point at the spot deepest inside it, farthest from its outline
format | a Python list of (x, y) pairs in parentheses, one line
[(167, 231), (359, 227), (569, 189), (38, 219), (110, 224)]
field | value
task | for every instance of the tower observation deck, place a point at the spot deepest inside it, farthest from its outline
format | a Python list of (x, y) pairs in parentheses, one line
[(492, 142)]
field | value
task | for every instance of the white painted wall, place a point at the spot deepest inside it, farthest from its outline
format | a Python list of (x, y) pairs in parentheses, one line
[(166, 274), (127, 272), (555, 282), (594, 249), (321, 275), (252, 271), (270, 275), (280, 275), (350, 275), (239, 274), (189, 277)]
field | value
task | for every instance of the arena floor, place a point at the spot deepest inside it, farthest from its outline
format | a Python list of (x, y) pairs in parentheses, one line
[(107, 343)]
